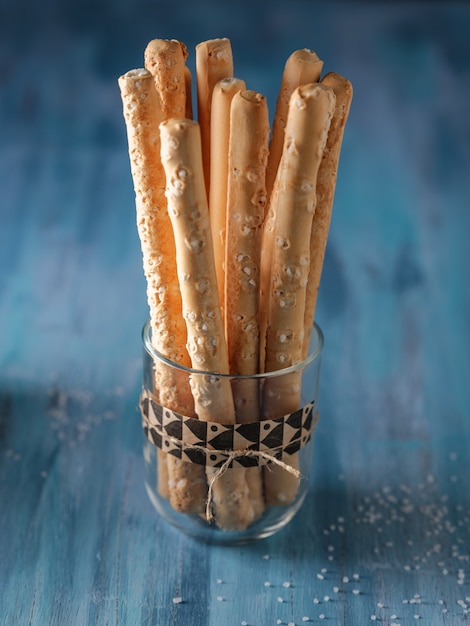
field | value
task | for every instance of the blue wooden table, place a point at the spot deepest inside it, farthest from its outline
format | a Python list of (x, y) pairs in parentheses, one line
[(384, 535)]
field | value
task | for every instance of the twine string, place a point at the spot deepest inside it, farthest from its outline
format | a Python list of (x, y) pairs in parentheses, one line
[(226, 465)]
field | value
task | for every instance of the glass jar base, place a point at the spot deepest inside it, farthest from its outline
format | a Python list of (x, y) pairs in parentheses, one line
[(274, 519)]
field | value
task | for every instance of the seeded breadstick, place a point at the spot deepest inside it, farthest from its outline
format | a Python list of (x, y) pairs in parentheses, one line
[(222, 96), (142, 115), (249, 129), (302, 67), (187, 207), (165, 60), (213, 62), (310, 110), (247, 156), (326, 183)]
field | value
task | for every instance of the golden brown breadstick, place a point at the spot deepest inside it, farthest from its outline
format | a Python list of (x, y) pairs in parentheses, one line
[(302, 67), (213, 62), (326, 183), (187, 207), (310, 110), (142, 115), (165, 60), (222, 97), (247, 156)]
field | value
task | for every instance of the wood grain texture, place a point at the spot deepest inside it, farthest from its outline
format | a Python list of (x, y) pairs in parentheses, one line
[(389, 502)]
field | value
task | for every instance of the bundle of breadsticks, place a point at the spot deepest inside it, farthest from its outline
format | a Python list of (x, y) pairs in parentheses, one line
[(233, 219)]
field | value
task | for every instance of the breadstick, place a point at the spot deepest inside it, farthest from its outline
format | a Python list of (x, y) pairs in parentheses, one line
[(302, 67), (187, 207), (213, 62), (222, 96), (142, 114), (310, 110), (249, 129), (326, 183), (165, 60), (248, 151)]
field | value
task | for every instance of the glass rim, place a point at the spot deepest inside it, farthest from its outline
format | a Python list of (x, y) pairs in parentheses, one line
[(312, 356)]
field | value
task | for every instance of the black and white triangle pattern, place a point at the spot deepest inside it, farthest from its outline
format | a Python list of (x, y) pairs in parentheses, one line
[(210, 443)]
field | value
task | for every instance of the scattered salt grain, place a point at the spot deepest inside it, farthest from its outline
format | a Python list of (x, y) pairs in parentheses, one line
[(177, 600), (356, 592), (316, 601), (220, 599), (336, 589), (373, 617), (320, 576), (345, 579), (321, 616), (279, 599), (267, 583), (326, 598), (287, 584), (219, 581), (305, 618)]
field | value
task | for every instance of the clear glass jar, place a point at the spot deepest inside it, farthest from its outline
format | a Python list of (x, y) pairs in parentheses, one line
[(222, 482)]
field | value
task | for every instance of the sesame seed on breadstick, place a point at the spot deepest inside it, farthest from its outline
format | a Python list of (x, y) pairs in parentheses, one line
[(142, 114), (214, 61), (222, 96), (326, 183), (310, 110), (165, 60), (187, 207), (302, 67)]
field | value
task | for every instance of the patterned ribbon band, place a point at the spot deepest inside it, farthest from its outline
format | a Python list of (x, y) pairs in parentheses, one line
[(213, 444)]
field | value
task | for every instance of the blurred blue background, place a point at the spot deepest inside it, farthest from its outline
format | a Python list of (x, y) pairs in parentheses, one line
[(394, 305)]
